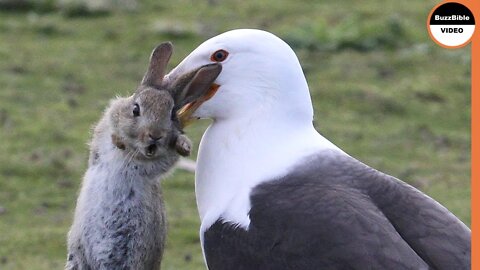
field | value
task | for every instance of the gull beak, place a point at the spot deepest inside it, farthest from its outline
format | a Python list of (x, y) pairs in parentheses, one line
[(193, 88), (186, 112)]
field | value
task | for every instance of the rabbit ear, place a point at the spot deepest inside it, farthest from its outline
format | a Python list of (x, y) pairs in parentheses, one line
[(158, 64), (188, 89)]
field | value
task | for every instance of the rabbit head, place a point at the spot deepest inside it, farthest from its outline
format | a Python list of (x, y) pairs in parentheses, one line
[(146, 123)]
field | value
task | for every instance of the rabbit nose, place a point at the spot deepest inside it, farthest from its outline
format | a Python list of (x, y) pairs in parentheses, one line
[(154, 138)]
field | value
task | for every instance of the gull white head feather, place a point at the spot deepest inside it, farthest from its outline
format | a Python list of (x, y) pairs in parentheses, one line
[(260, 73)]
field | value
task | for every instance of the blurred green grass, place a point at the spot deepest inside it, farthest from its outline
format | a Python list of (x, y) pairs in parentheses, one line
[(382, 91)]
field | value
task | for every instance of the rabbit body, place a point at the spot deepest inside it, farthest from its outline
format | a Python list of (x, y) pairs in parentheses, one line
[(120, 220)]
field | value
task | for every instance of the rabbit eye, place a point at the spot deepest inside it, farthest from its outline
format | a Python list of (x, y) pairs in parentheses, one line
[(136, 110), (219, 56)]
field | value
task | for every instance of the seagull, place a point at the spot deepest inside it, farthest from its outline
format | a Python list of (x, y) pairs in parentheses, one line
[(273, 193)]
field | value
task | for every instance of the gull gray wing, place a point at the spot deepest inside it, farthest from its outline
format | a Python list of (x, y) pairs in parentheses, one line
[(435, 234)]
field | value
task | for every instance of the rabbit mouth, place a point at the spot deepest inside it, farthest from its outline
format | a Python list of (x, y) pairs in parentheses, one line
[(151, 150), (186, 112)]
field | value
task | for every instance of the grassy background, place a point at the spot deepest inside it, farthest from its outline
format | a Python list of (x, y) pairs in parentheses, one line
[(382, 91)]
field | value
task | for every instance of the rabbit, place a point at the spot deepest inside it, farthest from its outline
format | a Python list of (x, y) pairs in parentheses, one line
[(119, 221)]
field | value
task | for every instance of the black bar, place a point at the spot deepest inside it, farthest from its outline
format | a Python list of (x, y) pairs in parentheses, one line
[(452, 14)]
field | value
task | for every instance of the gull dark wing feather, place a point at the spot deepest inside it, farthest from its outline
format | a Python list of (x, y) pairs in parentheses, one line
[(304, 226), (333, 212), (438, 236)]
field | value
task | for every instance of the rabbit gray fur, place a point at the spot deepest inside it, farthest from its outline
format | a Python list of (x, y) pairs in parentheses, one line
[(120, 220)]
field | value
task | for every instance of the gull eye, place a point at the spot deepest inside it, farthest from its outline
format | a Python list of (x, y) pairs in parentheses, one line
[(219, 56), (136, 110)]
